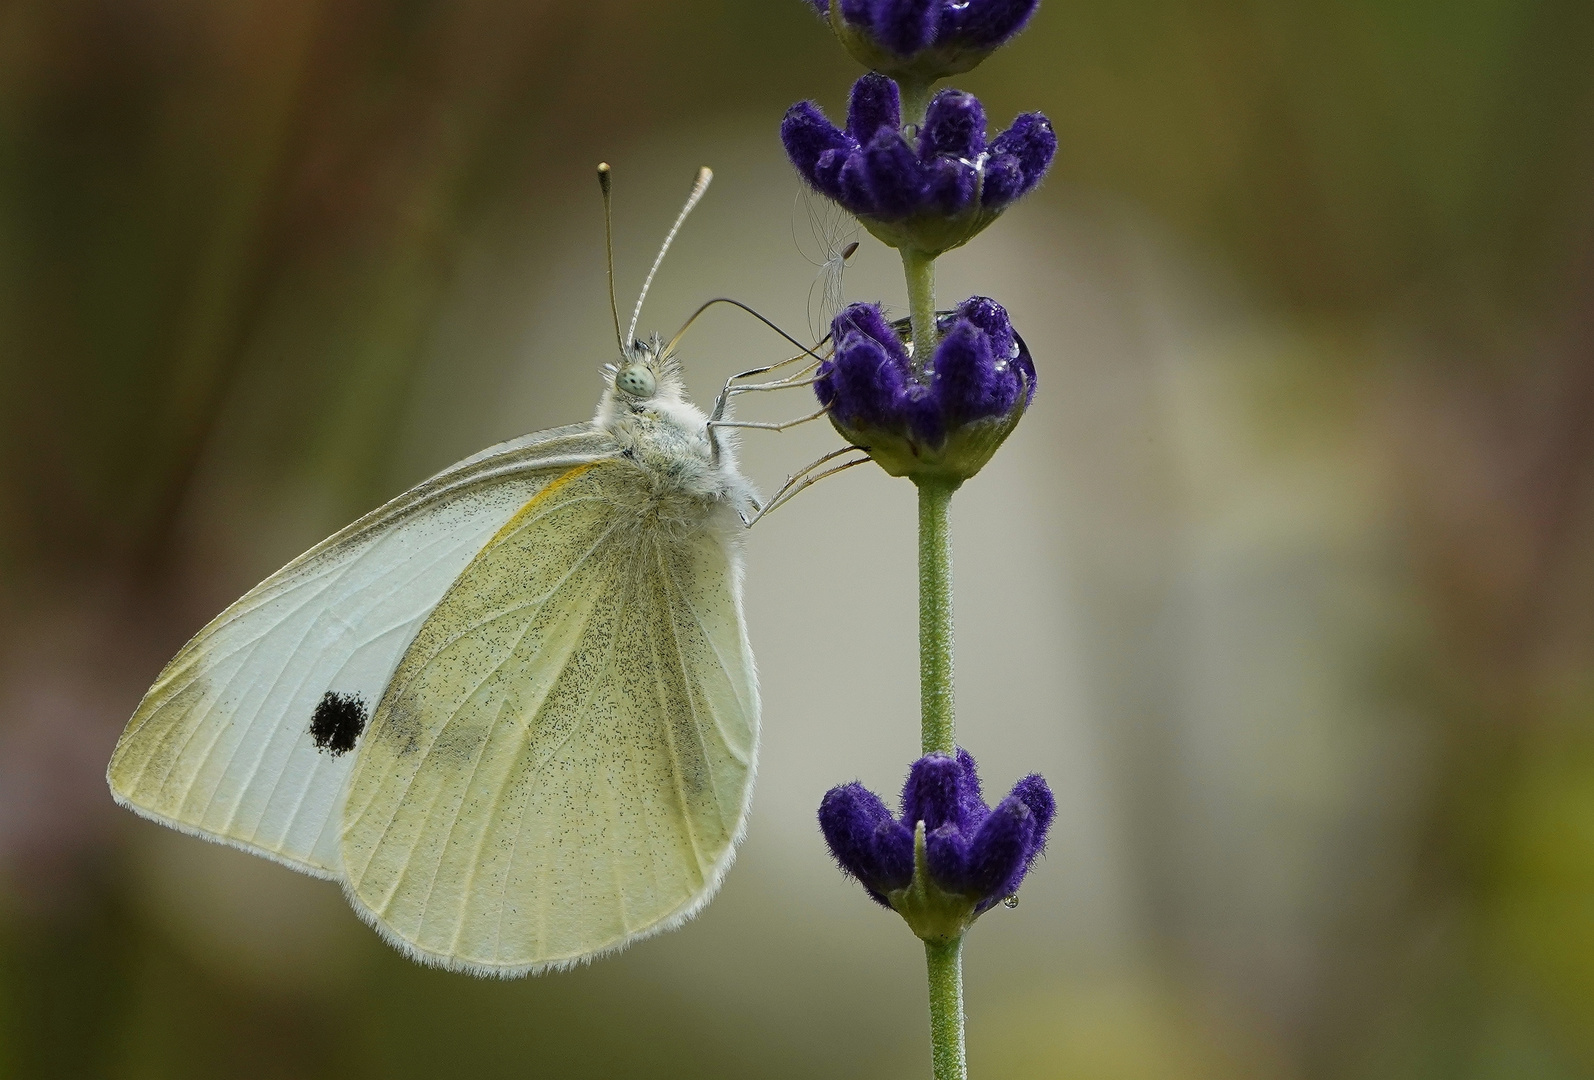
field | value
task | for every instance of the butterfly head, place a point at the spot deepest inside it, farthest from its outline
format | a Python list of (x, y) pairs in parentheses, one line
[(636, 380), (645, 407), (648, 372)]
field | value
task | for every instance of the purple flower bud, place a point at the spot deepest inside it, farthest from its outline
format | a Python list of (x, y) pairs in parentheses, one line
[(954, 124), (991, 317), (875, 103), (856, 185), (866, 841), (974, 380), (1004, 179), (926, 39), (1033, 793), (984, 23), (996, 856), (816, 147), (952, 186), (931, 793), (869, 321), (929, 197), (895, 177), (903, 26), (1033, 144), (972, 855), (827, 172), (943, 419)]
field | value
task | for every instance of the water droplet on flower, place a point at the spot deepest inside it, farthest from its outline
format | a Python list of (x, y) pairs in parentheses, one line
[(1011, 901)]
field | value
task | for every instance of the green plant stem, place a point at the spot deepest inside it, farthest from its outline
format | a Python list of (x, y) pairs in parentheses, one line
[(945, 961), (935, 617), (915, 101), (919, 270), (936, 712)]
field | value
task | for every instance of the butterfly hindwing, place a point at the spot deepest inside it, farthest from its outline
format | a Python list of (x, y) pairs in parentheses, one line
[(246, 737), (563, 760)]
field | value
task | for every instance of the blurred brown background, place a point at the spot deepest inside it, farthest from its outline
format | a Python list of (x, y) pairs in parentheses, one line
[(1286, 583)]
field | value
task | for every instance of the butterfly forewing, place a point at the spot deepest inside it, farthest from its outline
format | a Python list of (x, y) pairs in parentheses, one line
[(563, 759), (245, 735)]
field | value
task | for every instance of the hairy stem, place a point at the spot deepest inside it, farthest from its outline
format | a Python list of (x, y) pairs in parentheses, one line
[(935, 617), (945, 962), (919, 269)]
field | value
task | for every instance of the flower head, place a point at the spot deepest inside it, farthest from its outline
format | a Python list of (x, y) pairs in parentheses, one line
[(949, 857), (931, 197), (924, 39), (943, 419)]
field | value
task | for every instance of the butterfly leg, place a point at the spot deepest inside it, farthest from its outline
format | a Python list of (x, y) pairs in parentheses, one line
[(806, 478), (782, 426), (778, 384)]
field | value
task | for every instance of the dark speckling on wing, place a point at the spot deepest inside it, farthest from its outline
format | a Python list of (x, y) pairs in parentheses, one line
[(337, 722)]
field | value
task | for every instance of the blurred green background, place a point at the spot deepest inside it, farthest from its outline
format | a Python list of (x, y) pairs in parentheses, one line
[(1286, 582)]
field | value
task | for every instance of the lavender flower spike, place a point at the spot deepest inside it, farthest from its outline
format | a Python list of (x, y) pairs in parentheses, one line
[(942, 419), (949, 858), (924, 40), (930, 194)]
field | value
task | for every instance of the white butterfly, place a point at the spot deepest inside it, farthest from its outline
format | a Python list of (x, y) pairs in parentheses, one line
[(513, 711)]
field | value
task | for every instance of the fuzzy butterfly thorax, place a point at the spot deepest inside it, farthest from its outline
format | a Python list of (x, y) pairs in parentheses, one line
[(685, 473)]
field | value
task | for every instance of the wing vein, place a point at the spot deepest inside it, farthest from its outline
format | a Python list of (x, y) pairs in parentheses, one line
[(514, 847), (678, 786), (691, 701)]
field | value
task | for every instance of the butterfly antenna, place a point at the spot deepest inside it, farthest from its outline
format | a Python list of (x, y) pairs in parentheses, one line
[(606, 182), (704, 175)]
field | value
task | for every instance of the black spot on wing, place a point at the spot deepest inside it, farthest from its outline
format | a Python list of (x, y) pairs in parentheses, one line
[(337, 722)]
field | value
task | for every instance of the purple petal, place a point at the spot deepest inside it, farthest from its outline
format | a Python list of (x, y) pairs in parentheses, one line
[(875, 103), (869, 384), (855, 185), (954, 124), (1004, 181), (824, 388), (894, 855), (895, 178), (1032, 141), (974, 807), (1033, 793), (808, 135), (849, 815), (986, 23), (903, 26), (826, 177), (968, 382), (924, 416), (933, 794), (951, 185), (869, 320), (1000, 853), (992, 318), (866, 842), (946, 850)]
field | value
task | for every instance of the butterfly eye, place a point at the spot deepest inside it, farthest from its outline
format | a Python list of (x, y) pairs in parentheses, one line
[(636, 380)]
